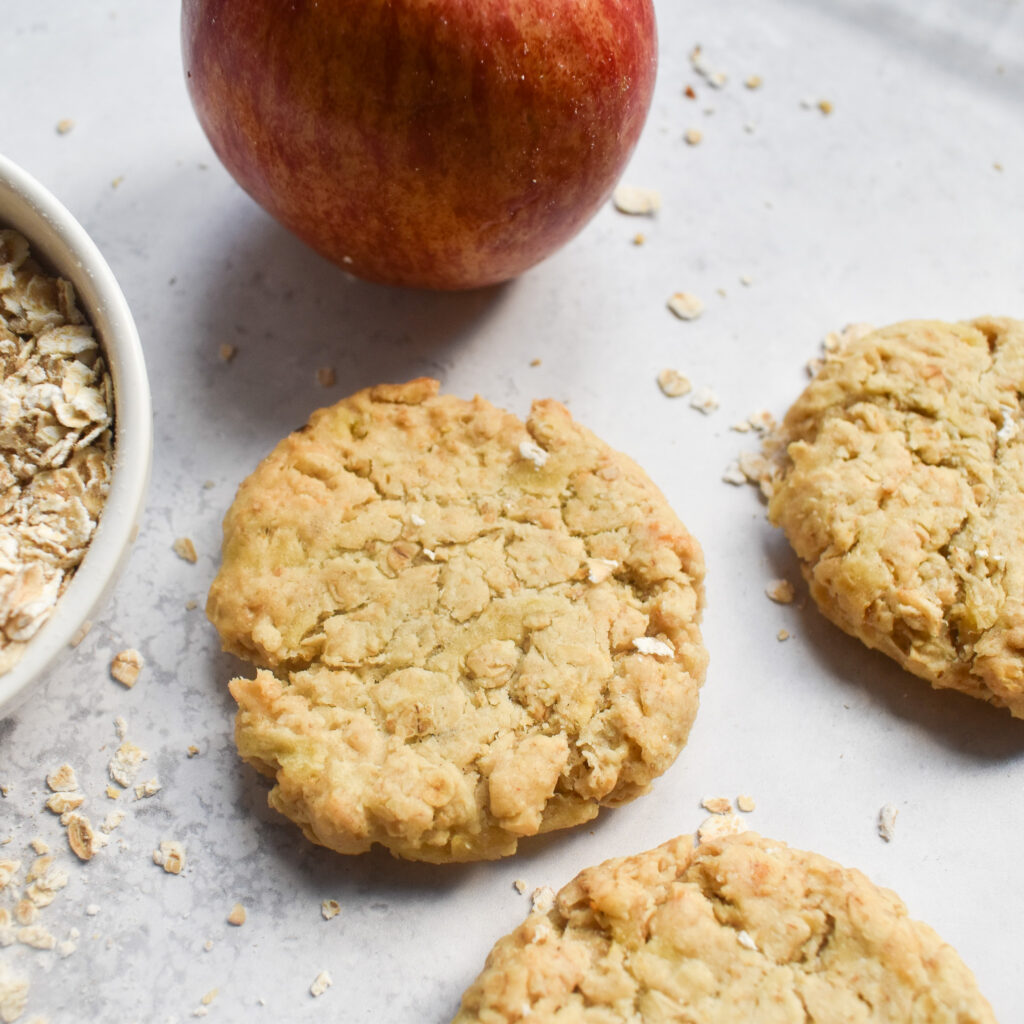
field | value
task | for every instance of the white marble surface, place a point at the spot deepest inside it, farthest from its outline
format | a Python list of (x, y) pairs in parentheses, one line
[(891, 207)]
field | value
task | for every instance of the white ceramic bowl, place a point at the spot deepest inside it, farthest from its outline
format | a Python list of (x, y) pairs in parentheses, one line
[(60, 243)]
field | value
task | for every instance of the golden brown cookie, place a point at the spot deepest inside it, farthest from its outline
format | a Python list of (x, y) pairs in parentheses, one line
[(902, 492), (469, 629), (735, 931)]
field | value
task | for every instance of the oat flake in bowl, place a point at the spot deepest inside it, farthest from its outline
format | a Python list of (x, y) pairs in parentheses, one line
[(56, 413)]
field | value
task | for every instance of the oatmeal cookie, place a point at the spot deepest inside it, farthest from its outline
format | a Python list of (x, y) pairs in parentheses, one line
[(468, 629), (902, 492), (738, 929)]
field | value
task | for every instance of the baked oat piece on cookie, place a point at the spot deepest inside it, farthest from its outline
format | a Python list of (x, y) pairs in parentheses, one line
[(740, 929), (902, 492), (468, 629)]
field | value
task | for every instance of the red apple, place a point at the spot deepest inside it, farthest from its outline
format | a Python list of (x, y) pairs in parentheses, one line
[(433, 143)]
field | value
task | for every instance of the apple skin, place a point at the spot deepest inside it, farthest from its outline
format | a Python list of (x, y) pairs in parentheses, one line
[(429, 143)]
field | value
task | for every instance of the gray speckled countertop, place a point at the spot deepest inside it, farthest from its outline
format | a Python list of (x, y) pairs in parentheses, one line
[(907, 200)]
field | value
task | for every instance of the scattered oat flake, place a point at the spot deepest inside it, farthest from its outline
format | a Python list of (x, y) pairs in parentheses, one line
[(780, 591), (652, 645), (64, 125), (39, 846), (25, 911), (81, 838), (325, 377), (673, 383), (121, 727), (112, 793), (237, 915), (209, 997), (717, 804), (744, 939), (887, 822), (13, 994), (80, 634), (36, 936), (704, 400), (125, 763), (599, 569), (543, 899), (111, 821), (184, 548), (694, 137), (745, 803), (330, 909), (636, 201), (170, 856), (321, 984), (533, 452), (7, 871), (126, 666), (720, 825), (685, 305), (63, 780), (520, 886), (734, 475), (227, 352), (61, 803)]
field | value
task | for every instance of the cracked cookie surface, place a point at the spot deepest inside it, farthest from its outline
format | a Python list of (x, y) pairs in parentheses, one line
[(467, 629), (902, 492), (738, 929)]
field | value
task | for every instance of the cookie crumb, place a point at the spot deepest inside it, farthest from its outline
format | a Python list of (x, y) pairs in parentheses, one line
[(125, 763), (636, 201), (825, 106), (693, 137), (192, 751), (685, 305), (754, 82), (227, 352), (92, 910), (237, 915), (126, 666), (717, 804), (745, 803), (39, 846), (780, 591), (520, 886), (887, 822), (535, 362), (326, 377), (783, 634), (64, 125), (321, 984), (170, 856), (330, 909), (543, 899), (673, 383), (653, 646), (184, 548), (639, 238), (144, 790)]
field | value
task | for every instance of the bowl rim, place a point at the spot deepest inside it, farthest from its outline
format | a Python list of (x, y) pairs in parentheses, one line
[(58, 240)]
